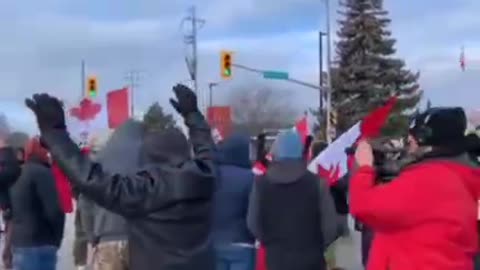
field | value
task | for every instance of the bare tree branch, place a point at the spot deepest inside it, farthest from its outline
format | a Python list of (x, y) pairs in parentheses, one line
[(261, 108)]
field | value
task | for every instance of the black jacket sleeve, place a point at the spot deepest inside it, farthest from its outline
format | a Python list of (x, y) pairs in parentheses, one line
[(9, 172), (46, 190), (87, 212), (150, 188)]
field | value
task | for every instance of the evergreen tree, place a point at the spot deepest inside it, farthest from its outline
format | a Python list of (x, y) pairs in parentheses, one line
[(366, 72), (156, 118)]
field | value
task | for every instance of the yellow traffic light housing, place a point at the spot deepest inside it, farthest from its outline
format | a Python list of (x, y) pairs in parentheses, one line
[(92, 87), (226, 64)]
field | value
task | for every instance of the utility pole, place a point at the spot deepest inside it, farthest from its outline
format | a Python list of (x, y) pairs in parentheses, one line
[(329, 128), (320, 78), (210, 92), (190, 39), (133, 79), (82, 80)]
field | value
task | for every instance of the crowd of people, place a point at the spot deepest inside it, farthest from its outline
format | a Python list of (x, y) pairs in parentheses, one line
[(149, 198)]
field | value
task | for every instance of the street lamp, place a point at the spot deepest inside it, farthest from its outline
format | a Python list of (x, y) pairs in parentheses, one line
[(210, 89)]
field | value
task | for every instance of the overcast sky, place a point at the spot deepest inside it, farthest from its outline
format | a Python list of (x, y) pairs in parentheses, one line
[(43, 43)]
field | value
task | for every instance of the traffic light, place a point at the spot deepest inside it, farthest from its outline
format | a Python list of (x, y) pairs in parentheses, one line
[(226, 65), (92, 87)]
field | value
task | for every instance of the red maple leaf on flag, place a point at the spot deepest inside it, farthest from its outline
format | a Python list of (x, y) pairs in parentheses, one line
[(87, 110), (332, 175)]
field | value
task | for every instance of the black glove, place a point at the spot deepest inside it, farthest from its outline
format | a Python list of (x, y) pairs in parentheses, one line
[(48, 110), (186, 102)]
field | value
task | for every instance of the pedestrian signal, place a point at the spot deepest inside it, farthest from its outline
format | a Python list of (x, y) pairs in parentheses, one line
[(92, 87), (226, 65)]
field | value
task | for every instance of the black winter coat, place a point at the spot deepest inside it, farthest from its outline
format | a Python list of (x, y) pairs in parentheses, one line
[(167, 203), (37, 216)]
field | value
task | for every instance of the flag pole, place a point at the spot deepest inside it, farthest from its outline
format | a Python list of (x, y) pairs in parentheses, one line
[(82, 80)]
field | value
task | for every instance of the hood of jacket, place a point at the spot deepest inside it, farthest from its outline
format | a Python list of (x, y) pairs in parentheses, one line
[(34, 151), (165, 146), (288, 164), (126, 139), (120, 155), (235, 151)]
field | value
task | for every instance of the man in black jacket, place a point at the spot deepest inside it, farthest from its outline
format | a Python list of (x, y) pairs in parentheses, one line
[(167, 203), (37, 217), (291, 211), (9, 172)]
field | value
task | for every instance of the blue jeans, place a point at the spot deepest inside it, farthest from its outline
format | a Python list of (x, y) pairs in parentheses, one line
[(231, 257), (35, 258)]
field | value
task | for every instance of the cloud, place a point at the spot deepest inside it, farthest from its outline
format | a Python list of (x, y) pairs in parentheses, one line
[(45, 41)]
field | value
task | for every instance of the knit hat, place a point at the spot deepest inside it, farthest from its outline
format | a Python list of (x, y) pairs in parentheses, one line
[(288, 145), (439, 126)]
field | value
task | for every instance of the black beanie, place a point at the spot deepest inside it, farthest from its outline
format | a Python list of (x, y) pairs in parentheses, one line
[(439, 126)]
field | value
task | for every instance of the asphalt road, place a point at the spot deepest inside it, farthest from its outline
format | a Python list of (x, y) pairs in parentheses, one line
[(347, 256)]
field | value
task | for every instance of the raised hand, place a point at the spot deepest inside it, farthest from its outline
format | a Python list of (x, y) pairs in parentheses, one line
[(48, 111), (186, 102), (364, 154)]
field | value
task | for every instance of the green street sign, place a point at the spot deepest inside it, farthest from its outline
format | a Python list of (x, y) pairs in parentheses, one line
[(275, 75)]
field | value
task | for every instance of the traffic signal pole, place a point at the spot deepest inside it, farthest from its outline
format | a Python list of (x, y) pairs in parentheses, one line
[(295, 81)]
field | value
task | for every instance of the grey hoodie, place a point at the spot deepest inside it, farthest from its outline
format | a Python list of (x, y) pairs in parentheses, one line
[(121, 154)]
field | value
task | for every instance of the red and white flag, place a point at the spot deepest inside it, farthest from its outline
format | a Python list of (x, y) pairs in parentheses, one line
[(303, 127), (216, 135), (91, 116), (332, 163)]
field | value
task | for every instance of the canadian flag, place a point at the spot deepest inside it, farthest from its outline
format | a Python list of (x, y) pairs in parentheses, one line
[(216, 135), (91, 116), (332, 163), (303, 127)]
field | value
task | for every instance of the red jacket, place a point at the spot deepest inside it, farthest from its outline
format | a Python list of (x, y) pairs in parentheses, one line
[(425, 219)]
